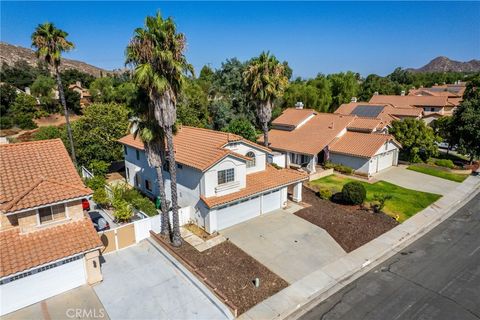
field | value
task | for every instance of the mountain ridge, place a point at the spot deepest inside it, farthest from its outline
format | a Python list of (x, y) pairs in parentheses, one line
[(443, 64)]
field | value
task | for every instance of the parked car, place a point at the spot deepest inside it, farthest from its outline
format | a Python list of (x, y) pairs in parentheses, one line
[(99, 222), (85, 205)]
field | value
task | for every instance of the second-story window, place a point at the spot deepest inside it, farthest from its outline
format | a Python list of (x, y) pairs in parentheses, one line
[(47, 214), (138, 154), (148, 185), (125, 149), (251, 162), (225, 176)]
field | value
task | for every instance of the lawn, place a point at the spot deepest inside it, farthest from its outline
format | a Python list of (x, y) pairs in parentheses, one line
[(440, 172), (404, 203)]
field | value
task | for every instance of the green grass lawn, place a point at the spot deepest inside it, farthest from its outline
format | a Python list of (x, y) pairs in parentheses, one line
[(438, 172), (404, 203)]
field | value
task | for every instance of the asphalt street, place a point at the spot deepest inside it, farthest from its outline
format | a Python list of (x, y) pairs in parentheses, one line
[(436, 277)]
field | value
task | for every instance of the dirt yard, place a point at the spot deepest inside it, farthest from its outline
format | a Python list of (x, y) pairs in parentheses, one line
[(350, 226)]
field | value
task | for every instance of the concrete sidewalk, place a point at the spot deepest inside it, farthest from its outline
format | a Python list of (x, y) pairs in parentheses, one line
[(319, 285)]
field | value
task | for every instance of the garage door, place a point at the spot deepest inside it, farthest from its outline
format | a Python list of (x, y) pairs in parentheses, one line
[(271, 201), (385, 160), (42, 284), (237, 213)]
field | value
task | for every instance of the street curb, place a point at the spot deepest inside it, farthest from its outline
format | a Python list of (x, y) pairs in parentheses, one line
[(193, 279), (295, 300)]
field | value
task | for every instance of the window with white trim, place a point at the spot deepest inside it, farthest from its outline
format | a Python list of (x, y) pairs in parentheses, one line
[(225, 176), (148, 185), (251, 162), (48, 214)]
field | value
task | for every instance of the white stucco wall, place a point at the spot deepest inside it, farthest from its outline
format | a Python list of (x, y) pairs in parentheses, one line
[(360, 165), (209, 181), (141, 168), (188, 185), (243, 148)]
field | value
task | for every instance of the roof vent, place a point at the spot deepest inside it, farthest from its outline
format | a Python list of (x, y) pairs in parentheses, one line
[(375, 93), (299, 105), (331, 125), (402, 93), (354, 99)]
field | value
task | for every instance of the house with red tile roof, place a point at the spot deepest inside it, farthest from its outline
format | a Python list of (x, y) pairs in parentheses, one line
[(48, 245), (304, 138), (85, 96), (223, 178)]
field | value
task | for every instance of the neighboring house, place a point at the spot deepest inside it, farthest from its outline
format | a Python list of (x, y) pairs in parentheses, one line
[(305, 138), (48, 245), (385, 112), (224, 178), (85, 96)]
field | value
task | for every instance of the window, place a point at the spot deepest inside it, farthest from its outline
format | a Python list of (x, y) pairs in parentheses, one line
[(52, 213), (125, 150), (432, 109), (179, 166), (251, 163), (138, 154), (148, 185), (226, 176), (128, 173)]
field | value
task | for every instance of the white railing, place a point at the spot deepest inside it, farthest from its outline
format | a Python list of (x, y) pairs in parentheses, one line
[(86, 174)]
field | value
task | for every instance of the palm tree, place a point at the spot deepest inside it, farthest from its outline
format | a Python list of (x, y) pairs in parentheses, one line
[(145, 126), (49, 43), (266, 80), (157, 52)]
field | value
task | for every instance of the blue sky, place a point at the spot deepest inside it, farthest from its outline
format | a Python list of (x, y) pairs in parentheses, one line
[(327, 37)]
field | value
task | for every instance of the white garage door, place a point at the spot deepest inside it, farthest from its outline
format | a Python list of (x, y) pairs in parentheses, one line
[(385, 160), (237, 213), (41, 285), (271, 201)]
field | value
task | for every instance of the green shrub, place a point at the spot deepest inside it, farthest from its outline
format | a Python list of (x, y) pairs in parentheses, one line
[(444, 163), (325, 193), (343, 169), (6, 122), (100, 196), (98, 167), (95, 183), (354, 193), (123, 211), (380, 200), (24, 121), (145, 205), (328, 165)]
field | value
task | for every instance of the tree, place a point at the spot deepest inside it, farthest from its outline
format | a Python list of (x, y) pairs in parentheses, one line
[(466, 127), (7, 98), (158, 52), (71, 76), (222, 114), (443, 128), (49, 132), (102, 90), (20, 75), (374, 83), (266, 81), (97, 132), (417, 139), (242, 127), (192, 107), (72, 99), (49, 43), (344, 87), (43, 88)]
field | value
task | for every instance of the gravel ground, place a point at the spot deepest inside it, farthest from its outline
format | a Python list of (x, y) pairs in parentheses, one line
[(350, 226)]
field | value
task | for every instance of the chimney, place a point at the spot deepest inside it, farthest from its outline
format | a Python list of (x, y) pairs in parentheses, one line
[(402, 93), (299, 105), (354, 99), (78, 83), (27, 90), (375, 93)]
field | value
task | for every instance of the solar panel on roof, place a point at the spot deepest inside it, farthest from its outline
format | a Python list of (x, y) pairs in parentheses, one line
[(367, 111)]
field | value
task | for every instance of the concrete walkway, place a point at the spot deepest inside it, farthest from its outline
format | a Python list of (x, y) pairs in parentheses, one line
[(288, 245), (140, 283), (416, 180), (294, 300)]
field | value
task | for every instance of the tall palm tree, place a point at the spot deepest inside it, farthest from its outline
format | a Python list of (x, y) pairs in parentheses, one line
[(49, 43), (266, 80), (157, 52), (145, 126)]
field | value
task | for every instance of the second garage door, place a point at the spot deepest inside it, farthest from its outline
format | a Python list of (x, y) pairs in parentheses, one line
[(271, 201), (385, 160), (231, 215)]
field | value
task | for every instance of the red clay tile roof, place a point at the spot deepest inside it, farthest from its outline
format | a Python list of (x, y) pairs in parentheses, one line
[(258, 182), (292, 117), (199, 148), (387, 115), (312, 137), (417, 101), (24, 251), (363, 145), (368, 124), (36, 174)]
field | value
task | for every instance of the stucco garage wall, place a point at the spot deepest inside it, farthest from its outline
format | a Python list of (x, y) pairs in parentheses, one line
[(42, 285), (188, 185), (358, 164)]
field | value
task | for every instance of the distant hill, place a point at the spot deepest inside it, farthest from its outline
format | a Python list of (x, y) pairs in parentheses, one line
[(442, 64), (11, 54)]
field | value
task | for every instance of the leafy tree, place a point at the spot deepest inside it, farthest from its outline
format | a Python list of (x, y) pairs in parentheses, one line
[(417, 139), (71, 76), (7, 97), (97, 131), (374, 83), (24, 104), (125, 93), (266, 81), (221, 113), (49, 132), (315, 94), (192, 107), (466, 127), (443, 128), (98, 167), (102, 90), (20, 75), (472, 91), (43, 88), (344, 87), (50, 42), (72, 99), (158, 52), (324, 91), (242, 127)]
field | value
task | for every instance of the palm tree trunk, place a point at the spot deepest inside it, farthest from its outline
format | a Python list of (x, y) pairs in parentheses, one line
[(67, 117), (154, 151), (176, 237), (265, 133), (265, 115)]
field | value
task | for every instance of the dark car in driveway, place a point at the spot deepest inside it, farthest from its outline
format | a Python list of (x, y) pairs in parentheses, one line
[(99, 222)]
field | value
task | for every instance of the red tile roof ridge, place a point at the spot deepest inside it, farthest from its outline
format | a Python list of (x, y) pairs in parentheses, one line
[(16, 144)]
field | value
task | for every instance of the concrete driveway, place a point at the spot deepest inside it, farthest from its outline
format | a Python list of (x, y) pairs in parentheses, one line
[(286, 244), (416, 180), (140, 283)]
